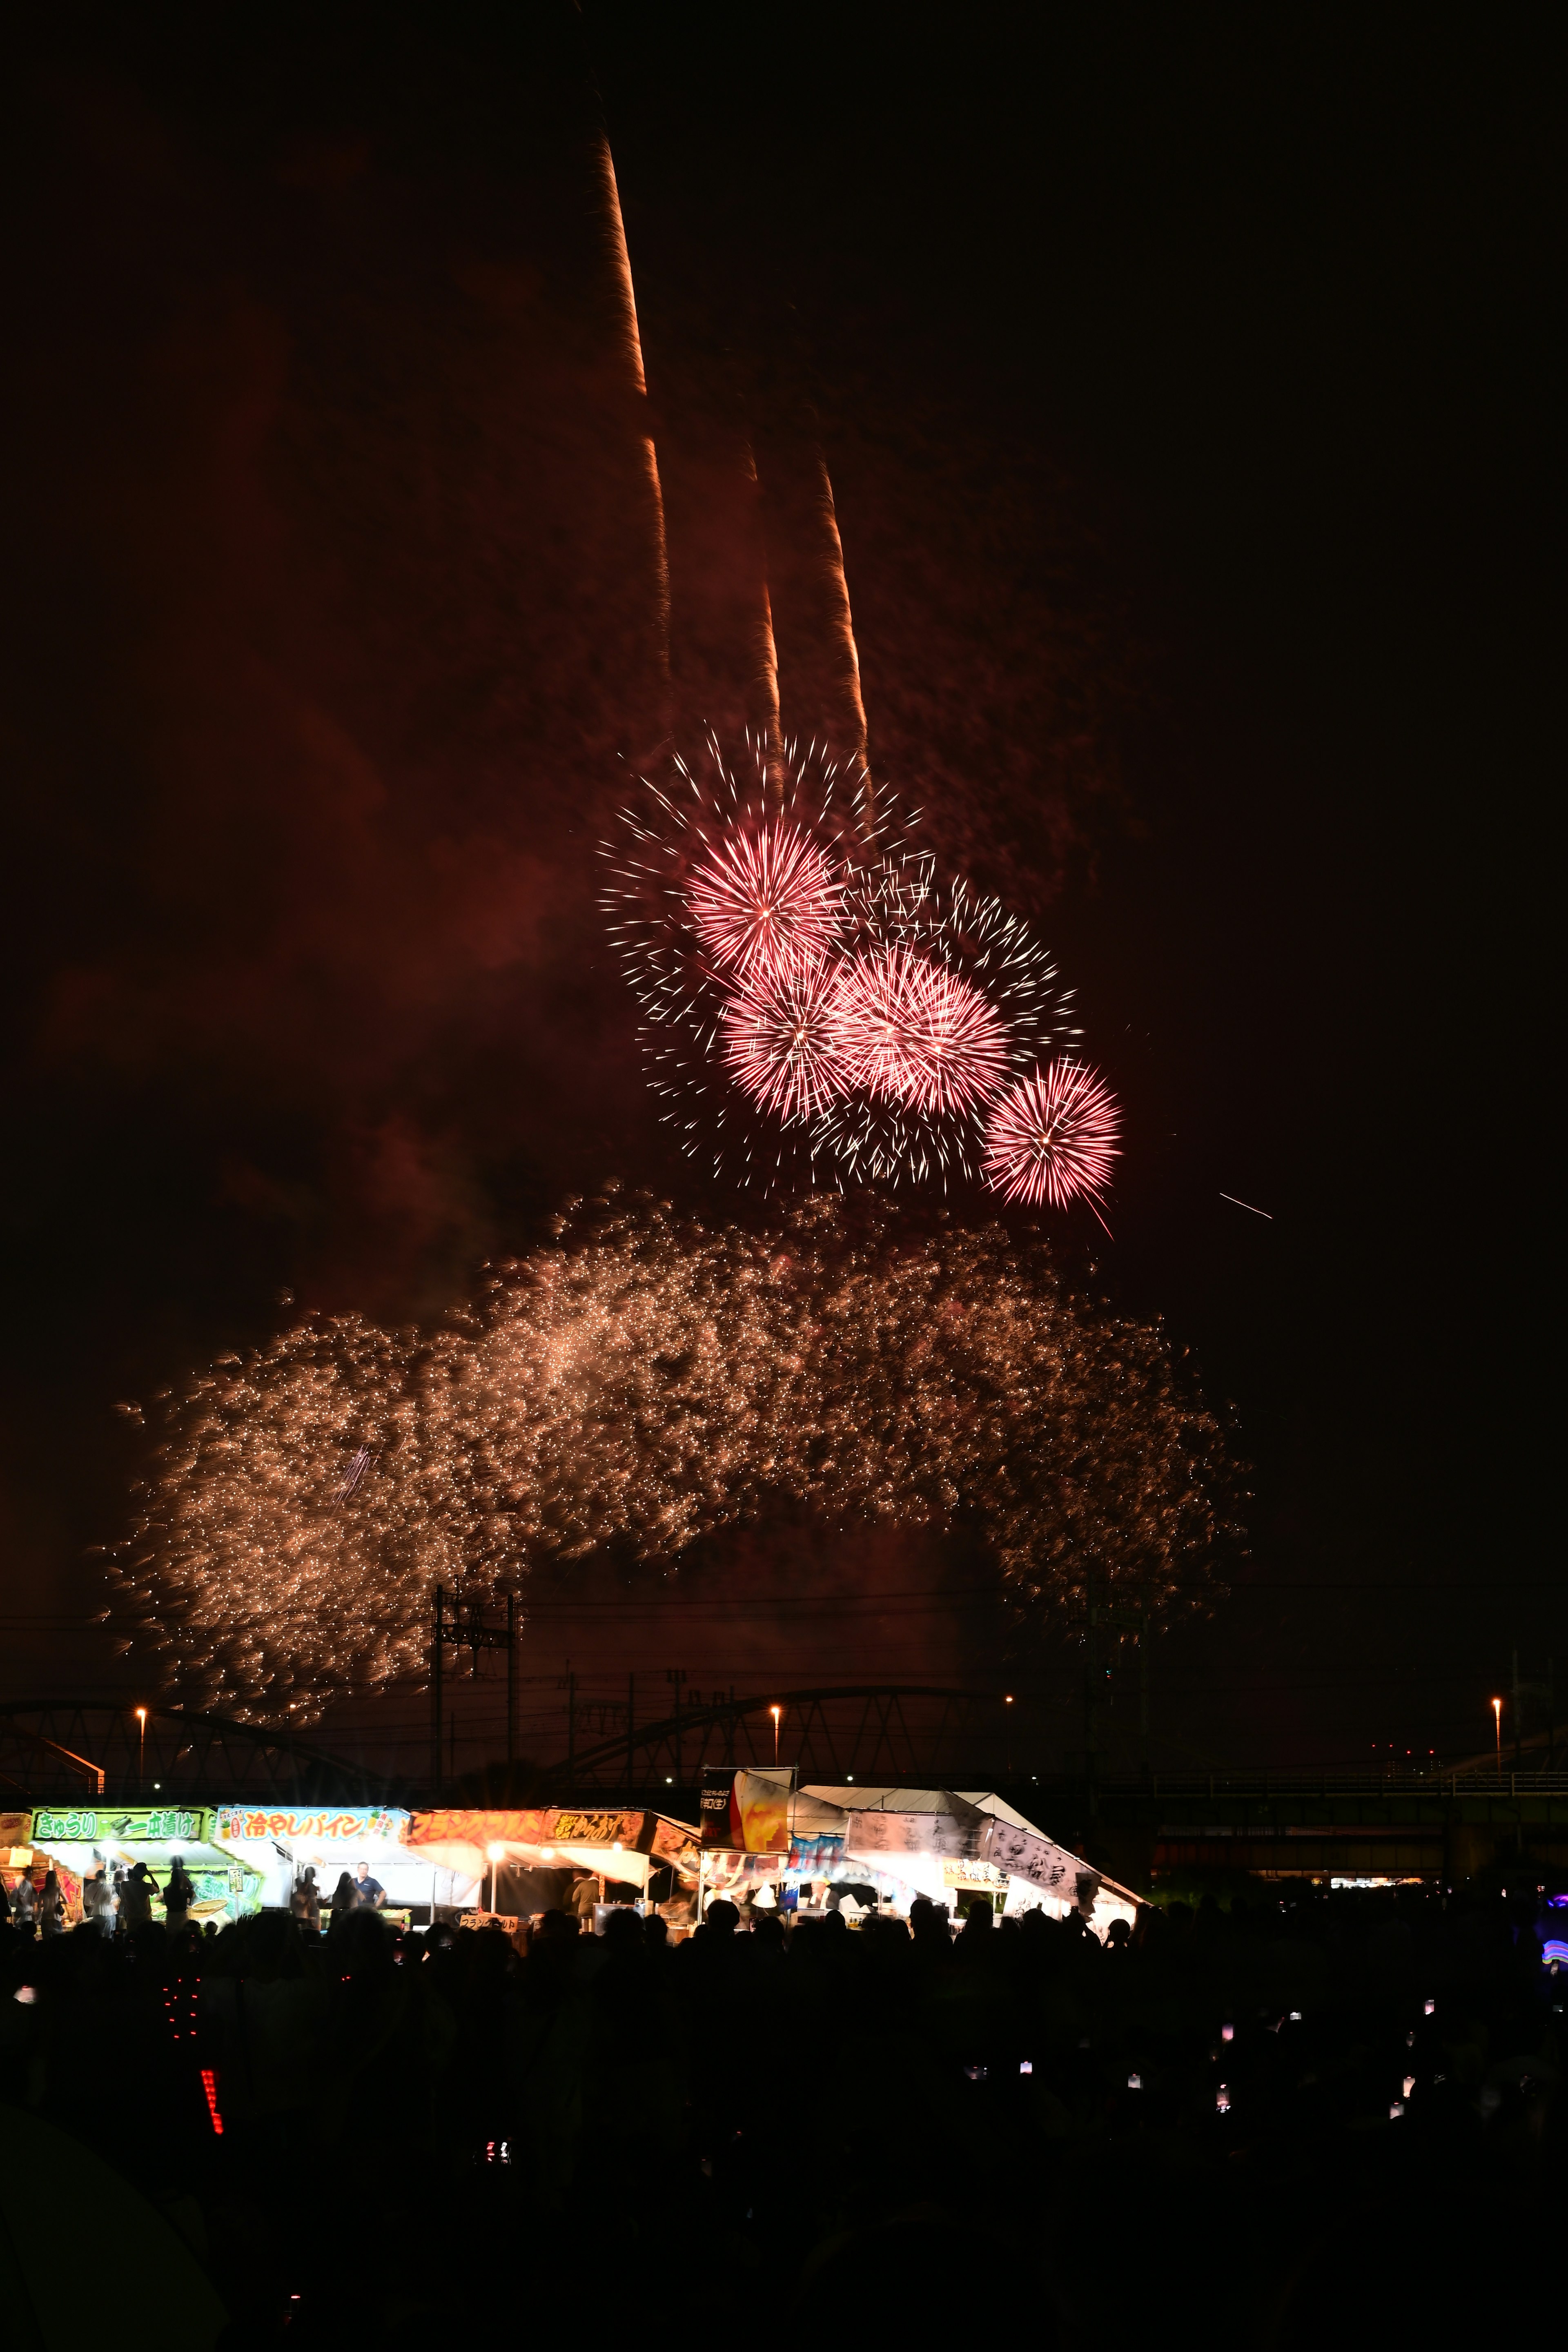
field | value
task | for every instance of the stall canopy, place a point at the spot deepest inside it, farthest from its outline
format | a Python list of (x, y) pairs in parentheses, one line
[(623, 1844), (947, 1844)]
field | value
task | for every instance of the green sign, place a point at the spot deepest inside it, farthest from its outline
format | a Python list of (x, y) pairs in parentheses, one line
[(122, 1824)]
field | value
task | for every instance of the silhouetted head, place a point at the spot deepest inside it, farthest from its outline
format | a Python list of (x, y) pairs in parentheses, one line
[(623, 1929), (722, 1917)]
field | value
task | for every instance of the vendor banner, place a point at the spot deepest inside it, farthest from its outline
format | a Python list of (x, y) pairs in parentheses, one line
[(1049, 1867), (947, 1834), (317, 1825), (125, 1824), (634, 1832), (745, 1812)]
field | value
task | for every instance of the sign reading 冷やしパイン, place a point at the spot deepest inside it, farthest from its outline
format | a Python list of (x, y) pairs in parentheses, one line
[(125, 1824), (337, 1824)]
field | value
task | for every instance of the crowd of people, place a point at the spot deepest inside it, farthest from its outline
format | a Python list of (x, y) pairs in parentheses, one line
[(1301, 2103)]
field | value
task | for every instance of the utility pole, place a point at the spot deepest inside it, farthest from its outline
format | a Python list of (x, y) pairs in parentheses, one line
[(1517, 1727), (631, 1723)]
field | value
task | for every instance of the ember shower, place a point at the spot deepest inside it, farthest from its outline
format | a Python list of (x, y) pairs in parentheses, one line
[(651, 1380)]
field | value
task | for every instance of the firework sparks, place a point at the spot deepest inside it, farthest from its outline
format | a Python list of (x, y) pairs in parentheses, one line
[(782, 1042), (1053, 1137), (764, 903), (651, 1382), (910, 1030)]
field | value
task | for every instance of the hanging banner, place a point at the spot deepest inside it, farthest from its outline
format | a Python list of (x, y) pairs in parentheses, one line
[(745, 1812), (125, 1824), (634, 1832), (1049, 1867), (321, 1825), (947, 1834)]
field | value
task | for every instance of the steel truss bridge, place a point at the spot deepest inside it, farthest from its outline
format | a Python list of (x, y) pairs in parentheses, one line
[(907, 1734), (74, 1749)]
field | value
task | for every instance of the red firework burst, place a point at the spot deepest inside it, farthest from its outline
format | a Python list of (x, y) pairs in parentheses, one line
[(1053, 1137), (910, 1031), (766, 902), (780, 1041)]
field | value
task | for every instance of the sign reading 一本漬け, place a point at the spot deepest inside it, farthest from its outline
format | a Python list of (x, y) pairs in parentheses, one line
[(332, 1825), (124, 1824)]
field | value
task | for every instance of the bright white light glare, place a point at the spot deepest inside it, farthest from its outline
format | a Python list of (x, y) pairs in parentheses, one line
[(1409, 2084), (25, 1993), (496, 1853), (1026, 2065), (547, 1853), (1295, 2017), (1429, 2008)]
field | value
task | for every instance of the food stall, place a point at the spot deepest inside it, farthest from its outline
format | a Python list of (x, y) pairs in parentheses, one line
[(279, 1843), (78, 1841), (808, 1850), (543, 1857)]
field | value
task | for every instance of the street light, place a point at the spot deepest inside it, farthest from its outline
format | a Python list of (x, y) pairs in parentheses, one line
[(141, 1746), (497, 1854), (1497, 1711), (775, 1712)]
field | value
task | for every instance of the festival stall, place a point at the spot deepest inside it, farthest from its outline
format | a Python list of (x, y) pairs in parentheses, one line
[(279, 1843), (78, 1841), (767, 1844), (550, 1851)]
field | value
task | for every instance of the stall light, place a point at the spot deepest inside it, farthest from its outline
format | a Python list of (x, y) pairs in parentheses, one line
[(617, 1847), (547, 1853), (498, 1855)]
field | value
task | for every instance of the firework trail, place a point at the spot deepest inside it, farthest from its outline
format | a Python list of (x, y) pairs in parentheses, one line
[(631, 343), (652, 1382)]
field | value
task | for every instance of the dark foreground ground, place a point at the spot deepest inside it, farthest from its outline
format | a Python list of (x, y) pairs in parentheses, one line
[(864, 2131)]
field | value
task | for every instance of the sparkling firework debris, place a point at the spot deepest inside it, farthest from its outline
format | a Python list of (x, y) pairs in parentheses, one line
[(651, 1382), (1053, 1139)]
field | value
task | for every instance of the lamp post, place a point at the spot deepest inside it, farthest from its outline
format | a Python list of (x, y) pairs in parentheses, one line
[(775, 1712), (141, 1748), (1496, 1712), (497, 1854)]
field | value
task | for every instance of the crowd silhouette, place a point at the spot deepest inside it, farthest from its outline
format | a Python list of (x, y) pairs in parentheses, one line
[(1300, 2105)]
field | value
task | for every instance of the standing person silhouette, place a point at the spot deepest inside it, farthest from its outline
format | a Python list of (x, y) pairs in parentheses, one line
[(344, 1900)]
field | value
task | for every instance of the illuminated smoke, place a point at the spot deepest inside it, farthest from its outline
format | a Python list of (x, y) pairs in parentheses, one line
[(646, 1383), (1053, 1139)]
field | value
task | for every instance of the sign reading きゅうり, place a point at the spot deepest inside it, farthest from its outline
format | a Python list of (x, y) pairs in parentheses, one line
[(125, 1824)]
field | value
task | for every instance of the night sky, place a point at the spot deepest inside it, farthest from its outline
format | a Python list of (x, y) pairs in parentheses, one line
[(1183, 378)]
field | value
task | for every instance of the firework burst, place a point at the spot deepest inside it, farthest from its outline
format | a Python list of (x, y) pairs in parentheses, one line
[(764, 903), (781, 1041), (909, 1031), (1053, 1139)]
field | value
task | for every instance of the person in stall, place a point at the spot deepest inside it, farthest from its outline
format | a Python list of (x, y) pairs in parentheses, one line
[(370, 1895)]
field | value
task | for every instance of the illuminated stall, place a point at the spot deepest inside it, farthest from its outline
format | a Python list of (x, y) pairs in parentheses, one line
[(78, 1841), (278, 1844), (552, 1851), (766, 1844)]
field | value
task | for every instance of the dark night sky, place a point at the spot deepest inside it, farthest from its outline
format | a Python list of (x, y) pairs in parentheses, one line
[(1184, 379)]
